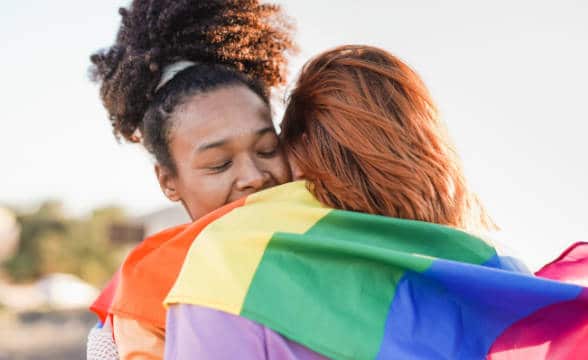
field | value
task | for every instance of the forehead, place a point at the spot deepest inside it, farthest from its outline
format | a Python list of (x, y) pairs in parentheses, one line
[(224, 113)]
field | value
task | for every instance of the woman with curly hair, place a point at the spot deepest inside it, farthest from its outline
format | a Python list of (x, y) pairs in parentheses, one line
[(191, 82), (374, 254)]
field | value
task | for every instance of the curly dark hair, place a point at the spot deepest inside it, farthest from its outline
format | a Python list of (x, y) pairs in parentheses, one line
[(231, 42)]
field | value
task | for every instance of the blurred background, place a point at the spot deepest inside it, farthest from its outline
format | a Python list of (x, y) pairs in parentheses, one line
[(509, 77)]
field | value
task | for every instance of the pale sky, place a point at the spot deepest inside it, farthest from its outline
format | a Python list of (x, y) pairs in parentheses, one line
[(509, 77)]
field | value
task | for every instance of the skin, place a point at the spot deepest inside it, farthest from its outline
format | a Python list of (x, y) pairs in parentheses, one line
[(295, 169), (225, 147)]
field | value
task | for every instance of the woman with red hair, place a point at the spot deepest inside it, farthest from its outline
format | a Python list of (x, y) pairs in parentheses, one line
[(373, 254), (362, 128)]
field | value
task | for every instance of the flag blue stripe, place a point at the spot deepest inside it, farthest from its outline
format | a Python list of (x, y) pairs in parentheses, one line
[(457, 310)]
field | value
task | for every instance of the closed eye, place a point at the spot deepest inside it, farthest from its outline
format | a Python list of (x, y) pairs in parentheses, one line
[(221, 167), (268, 154)]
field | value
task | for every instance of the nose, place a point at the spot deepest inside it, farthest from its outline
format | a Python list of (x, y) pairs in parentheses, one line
[(252, 177)]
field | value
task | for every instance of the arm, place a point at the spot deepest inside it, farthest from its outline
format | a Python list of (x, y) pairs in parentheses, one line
[(138, 341)]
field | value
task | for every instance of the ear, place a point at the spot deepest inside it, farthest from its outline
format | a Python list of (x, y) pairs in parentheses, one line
[(167, 182), (295, 169), (297, 173), (305, 138)]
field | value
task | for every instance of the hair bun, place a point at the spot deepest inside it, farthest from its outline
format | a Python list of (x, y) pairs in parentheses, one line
[(252, 38)]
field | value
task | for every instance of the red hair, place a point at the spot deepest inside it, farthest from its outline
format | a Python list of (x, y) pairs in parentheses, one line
[(364, 131)]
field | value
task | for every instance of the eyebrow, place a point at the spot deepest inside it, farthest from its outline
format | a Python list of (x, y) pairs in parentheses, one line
[(223, 142)]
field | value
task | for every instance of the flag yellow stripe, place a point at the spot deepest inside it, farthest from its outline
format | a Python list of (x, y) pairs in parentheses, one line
[(222, 261)]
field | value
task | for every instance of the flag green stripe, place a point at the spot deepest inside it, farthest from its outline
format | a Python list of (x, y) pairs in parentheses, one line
[(339, 278), (343, 284), (403, 235)]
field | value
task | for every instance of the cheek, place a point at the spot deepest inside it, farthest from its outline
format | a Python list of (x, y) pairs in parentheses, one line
[(279, 169), (203, 194), (297, 173), (295, 170)]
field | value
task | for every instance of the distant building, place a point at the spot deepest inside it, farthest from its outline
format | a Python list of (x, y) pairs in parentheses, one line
[(138, 228), (164, 218)]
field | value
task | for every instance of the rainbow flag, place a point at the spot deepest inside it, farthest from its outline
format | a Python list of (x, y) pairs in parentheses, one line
[(355, 286), (138, 288)]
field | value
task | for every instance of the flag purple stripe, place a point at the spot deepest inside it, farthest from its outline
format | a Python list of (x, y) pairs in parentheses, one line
[(195, 332)]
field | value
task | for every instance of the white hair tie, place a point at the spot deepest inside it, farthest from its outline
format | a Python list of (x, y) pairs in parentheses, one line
[(171, 70)]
